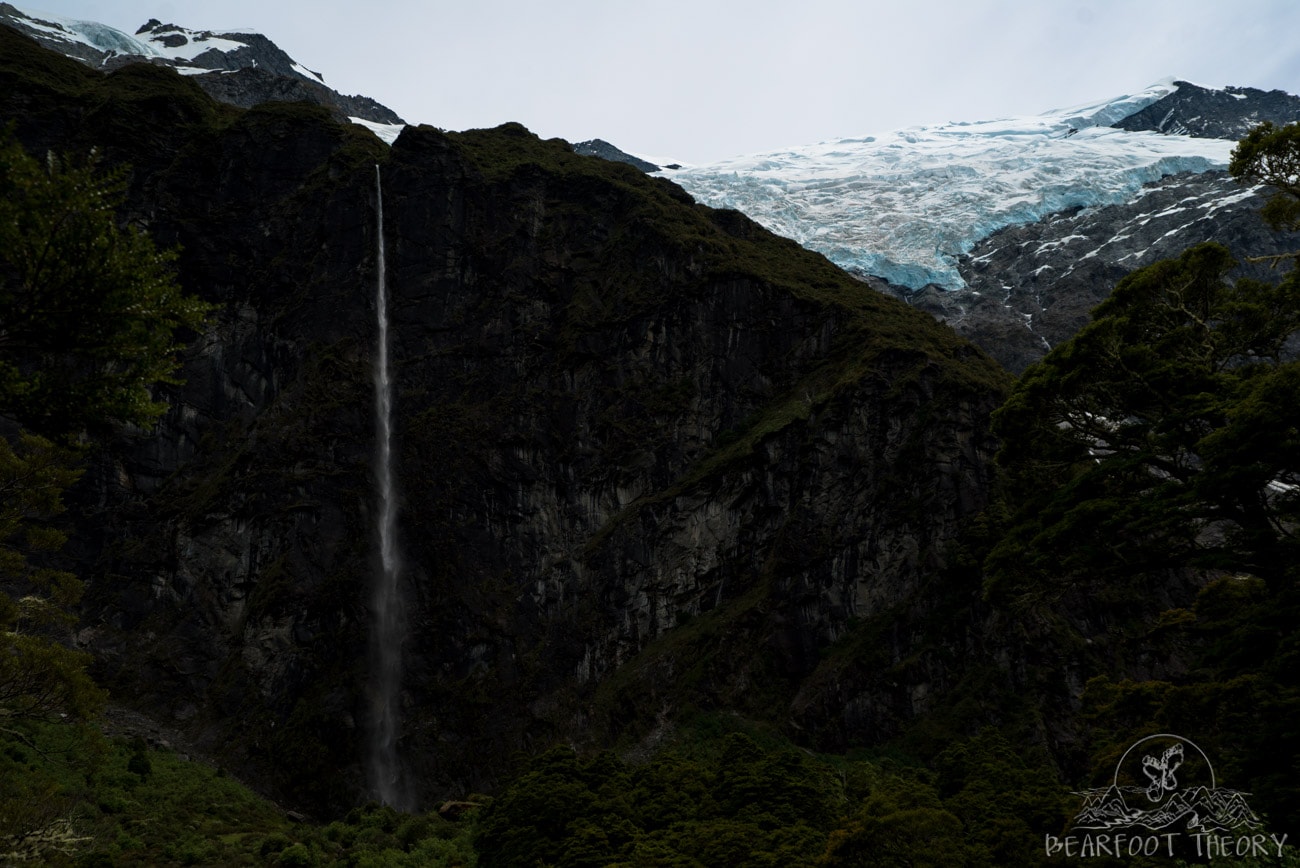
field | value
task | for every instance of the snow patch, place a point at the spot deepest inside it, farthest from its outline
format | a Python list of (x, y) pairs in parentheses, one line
[(307, 73), (387, 132), (195, 44)]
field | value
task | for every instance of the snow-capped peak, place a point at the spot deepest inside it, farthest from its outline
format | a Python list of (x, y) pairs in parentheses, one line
[(190, 51), (193, 46)]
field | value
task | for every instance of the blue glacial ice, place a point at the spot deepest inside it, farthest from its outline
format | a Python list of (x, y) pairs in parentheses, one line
[(904, 205)]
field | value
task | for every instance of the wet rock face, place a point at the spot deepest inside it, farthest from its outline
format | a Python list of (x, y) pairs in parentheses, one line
[(591, 463), (648, 455)]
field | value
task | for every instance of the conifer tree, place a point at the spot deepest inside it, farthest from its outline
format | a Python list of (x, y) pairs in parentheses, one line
[(89, 318)]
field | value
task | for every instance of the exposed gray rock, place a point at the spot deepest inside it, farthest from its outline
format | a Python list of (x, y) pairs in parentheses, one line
[(606, 151), (1209, 113), (1032, 286), (247, 87)]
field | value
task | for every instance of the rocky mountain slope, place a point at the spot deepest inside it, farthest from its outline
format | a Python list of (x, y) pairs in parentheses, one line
[(1032, 286), (1212, 113), (606, 151), (239, 68), (651, 457)]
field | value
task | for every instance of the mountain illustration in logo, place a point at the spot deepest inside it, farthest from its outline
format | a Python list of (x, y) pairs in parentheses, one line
[(1165, 782)]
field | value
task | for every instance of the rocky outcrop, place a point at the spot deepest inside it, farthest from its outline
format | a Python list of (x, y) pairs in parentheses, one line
[(254, 50), (606, 151), (251, 86), (650, 456), (1229, 113)]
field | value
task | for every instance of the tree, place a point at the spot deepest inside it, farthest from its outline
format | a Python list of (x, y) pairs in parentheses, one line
[(39, 675), (1165, 434), (89, 313), (1271, 155), (902, 823)]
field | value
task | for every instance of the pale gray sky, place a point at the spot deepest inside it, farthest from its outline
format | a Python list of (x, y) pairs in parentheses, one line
[(700, 80)]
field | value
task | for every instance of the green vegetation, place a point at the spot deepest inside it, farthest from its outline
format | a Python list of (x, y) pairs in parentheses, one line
[(38, 676), (646, 222), (70, 797), (90, 311), (1163, 435), (1271, 155), (719, 792), (89, 319), (726, 793)]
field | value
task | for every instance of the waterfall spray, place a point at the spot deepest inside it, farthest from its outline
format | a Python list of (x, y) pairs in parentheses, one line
[(389, 627)]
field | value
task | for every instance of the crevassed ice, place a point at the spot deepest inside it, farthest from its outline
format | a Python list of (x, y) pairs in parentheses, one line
[(905, 204), (90, 33)]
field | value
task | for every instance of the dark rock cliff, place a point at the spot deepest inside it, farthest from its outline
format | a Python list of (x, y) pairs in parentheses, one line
[(651, 457)]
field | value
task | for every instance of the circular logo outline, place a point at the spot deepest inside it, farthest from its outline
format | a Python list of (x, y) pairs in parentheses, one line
[(1119, 765)]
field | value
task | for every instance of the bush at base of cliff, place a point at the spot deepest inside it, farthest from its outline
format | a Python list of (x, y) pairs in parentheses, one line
[(747, 798)]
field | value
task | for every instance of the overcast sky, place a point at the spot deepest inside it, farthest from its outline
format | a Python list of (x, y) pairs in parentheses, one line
[(700, 80)]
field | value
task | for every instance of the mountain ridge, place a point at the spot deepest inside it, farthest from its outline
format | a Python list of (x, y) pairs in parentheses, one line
[(1219, 113), (236, 67)]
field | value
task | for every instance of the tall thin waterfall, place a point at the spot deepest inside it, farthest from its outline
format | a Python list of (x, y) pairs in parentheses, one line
[(386, 778)]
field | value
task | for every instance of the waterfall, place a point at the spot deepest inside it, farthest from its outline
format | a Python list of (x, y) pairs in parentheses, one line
[(386, 778)]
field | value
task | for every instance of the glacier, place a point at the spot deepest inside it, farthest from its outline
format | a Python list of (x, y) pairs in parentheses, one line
[(90, 33), (905, 205)]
